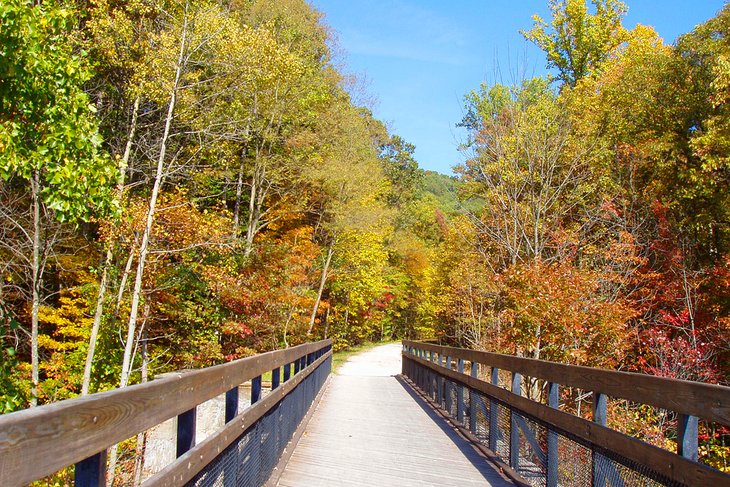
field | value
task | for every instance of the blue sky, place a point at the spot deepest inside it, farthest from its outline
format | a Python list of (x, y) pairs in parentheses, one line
[(417, 58)]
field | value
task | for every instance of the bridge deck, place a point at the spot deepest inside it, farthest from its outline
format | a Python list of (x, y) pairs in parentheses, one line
[(371, 429)]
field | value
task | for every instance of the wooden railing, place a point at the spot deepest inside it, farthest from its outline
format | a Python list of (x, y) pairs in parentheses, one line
[(435, 369), (38, 442)]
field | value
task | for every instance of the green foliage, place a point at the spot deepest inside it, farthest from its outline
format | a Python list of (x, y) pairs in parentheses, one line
[(47, 123), (577, 42), (13, 393)]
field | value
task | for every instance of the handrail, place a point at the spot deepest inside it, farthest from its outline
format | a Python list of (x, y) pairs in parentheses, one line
[(709, 401), (430, 366), (39, 441)]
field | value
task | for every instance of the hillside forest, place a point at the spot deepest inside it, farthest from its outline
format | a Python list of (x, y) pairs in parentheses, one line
[(184, 183)]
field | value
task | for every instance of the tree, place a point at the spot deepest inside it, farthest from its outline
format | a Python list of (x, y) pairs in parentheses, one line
[(533, 175), (48, 135), (577, 42)]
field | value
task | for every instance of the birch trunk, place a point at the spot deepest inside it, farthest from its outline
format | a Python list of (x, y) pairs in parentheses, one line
[(322, 282), (143, 248), (142, 437), (37, 280), (108, 261)]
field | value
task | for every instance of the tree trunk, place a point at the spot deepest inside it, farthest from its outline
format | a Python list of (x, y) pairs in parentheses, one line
[(239, 195), (97, 322), (123, 282), (322, 282), (36, 282), (143, 248), (108, 261), (142, 437), (253, 209), (239, 187)]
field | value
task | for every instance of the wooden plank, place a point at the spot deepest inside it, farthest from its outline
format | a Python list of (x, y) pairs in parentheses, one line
[(706, 401), (371, 431), (504, 468), (661, 461), (197, 458), (66, 432)]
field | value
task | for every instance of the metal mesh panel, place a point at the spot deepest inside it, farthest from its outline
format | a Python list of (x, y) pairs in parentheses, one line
[(574, 463), (532, 464), (249, 461), (616, 471), (451, 398), (502, 431), (480, 409), (571, 463)]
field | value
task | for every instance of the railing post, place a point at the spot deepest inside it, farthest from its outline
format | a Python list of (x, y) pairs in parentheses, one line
[(600, 404), (297, 363), (460, 393), (447, 387), (185, 432), (275, 378), (231, 404), (287, 372), (494, 414), (600, 407), (687, 430), (552, 438), (442, 382), (514, 429), (91, 472), (434, 386), (472, 402), (255, 389)]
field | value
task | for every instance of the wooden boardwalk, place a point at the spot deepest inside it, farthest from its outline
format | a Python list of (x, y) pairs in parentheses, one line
[(371, 429)]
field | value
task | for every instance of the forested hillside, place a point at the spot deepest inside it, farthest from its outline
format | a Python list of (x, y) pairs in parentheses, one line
[(187, 183)]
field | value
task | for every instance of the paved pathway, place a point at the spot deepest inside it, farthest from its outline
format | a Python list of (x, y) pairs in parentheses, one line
[(371, 429)]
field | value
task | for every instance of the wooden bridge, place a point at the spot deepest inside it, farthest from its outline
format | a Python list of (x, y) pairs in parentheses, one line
[(452, 417)]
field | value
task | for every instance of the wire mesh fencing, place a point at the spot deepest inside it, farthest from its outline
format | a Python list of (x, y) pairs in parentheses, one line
[(250, 460), (539, 453)]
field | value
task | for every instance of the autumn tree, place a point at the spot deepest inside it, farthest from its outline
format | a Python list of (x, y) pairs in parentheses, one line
[(48, 134), (576, 41), (526, 164)]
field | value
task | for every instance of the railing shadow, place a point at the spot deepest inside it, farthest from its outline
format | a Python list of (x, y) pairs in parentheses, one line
[(489, 471)]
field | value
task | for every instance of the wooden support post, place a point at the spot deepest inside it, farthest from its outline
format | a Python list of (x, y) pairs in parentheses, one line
[(275, 378), (91, 472), (600, 407), (231, 404), (514, 430), (430, 376), (185, 432), (404, 361), (447, 387), (297, 363), (687, 430), (472, 400), (255, 389), (600, 403), (494, 414), (442, 383), (460, 394), (552, 438), (287, 372)]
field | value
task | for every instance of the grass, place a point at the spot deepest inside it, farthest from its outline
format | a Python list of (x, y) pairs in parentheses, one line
[(339, 358)]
